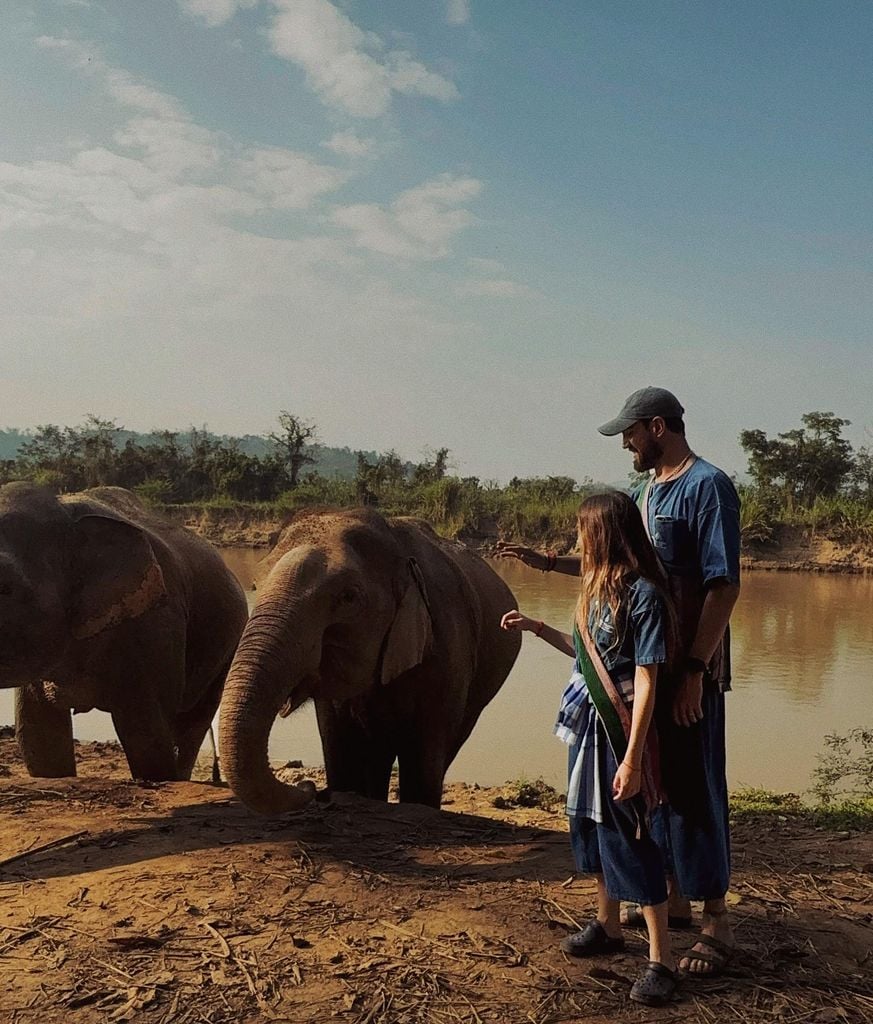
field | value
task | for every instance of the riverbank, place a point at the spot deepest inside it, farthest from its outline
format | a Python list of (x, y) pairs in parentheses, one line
[(171, 903), (792, 549)]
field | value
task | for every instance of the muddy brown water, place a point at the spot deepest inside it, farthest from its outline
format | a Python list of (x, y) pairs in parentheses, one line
[(802, 665)]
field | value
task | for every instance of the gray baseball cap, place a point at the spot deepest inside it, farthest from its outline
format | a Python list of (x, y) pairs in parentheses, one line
[(644, 404)]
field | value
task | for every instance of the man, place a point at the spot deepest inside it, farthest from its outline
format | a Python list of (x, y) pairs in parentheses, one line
[(691, 512)]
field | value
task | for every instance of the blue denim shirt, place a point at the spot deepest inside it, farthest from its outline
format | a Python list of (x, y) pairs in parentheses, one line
[(694, 523), (643, 640)]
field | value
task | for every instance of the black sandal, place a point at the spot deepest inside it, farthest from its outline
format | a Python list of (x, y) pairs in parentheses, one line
[(591, 941), (656, 986), (716, 954)]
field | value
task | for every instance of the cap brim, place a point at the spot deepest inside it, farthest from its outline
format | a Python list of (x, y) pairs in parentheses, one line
[(616, 426)]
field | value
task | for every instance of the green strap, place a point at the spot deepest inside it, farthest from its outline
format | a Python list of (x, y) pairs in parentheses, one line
[(603, 701)]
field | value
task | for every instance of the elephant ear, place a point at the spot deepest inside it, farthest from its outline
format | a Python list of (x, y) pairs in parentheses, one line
[(411, 633), (115, 573)]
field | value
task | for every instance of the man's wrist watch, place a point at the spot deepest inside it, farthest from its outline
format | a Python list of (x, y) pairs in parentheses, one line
[(693, 664)]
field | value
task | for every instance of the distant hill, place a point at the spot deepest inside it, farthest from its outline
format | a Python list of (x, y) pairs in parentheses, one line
[(333, 463)]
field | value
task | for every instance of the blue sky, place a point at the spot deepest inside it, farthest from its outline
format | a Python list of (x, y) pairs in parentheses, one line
[(471, 223)]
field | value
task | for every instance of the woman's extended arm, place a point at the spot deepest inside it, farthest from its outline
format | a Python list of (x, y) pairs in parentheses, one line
[(628, 778), (562, 642)]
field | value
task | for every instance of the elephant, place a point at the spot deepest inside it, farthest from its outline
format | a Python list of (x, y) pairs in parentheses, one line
[(107, 605), (391, 630)]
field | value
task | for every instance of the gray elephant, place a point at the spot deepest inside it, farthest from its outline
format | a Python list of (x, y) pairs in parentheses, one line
[(106, 605), (395, 634)]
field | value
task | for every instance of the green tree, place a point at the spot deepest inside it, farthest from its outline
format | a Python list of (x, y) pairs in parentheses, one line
[(432, 468), (53, 456), (802, 464), (861, 475), (292, 442), (369, 479), (99, 451)]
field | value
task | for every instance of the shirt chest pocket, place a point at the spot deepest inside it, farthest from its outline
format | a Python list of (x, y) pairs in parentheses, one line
[(670, 538)]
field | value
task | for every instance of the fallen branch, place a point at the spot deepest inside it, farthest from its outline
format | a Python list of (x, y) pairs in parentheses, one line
[(44, 846)]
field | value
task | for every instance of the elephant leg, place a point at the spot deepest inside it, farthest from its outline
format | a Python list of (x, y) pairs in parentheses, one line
[(44, 733), (354, 761), (191, 725), (145, 733), (423, 766)]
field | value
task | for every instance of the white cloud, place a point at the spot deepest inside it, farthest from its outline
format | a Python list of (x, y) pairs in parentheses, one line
[(215, 12), (130, 93), (172, 146), (349, 144), (419, 224), (147, 262), (173, 184), (290, 180), (123, 87), (333, 52), (458, 12)]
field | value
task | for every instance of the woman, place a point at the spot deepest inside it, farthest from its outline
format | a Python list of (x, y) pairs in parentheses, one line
[(622, 636)]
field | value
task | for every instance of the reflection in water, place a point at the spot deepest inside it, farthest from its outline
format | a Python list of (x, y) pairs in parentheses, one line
[(802, 664)]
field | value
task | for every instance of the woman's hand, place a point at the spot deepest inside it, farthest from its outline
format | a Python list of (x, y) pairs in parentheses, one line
[(515, 620), (535, 559), (627, 782)]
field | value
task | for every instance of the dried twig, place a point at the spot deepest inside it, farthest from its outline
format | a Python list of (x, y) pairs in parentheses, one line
[(42, 847)]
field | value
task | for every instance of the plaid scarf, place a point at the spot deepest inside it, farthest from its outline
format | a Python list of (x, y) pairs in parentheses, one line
[(569, 725)]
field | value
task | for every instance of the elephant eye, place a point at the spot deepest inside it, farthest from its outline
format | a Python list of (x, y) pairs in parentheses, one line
[(348, 596)]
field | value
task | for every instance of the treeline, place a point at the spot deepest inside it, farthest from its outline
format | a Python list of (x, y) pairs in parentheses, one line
[(197, 467), (809, 477)]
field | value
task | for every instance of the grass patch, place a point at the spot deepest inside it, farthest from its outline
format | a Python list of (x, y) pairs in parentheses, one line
[(853, 814), (524, 793)]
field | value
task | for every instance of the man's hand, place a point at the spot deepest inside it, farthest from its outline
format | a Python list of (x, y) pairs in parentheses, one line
[(535, 559), (688, 702)]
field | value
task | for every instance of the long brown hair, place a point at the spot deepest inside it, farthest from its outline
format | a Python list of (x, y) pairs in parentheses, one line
[(614, 546)]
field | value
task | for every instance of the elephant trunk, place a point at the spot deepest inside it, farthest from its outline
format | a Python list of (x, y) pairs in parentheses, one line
[(264, 670)]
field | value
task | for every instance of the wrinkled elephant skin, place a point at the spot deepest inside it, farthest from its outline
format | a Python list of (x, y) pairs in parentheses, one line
[(391, 630), (105, 605)]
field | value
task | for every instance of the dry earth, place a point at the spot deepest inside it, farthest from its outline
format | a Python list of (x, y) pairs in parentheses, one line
[(171, 903)]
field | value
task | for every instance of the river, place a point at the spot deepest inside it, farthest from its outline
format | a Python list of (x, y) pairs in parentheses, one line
[(802, 664)]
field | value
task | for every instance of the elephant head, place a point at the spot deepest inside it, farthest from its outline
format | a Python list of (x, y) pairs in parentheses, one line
[(342, 611), (68, 571)]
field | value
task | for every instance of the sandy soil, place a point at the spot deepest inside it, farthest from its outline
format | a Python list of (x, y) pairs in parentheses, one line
[(171, 903)]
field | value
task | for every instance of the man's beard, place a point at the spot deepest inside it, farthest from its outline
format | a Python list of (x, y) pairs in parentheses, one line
[(646, 457)]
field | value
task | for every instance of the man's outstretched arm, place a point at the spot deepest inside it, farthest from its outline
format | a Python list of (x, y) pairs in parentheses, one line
[(542, 560)]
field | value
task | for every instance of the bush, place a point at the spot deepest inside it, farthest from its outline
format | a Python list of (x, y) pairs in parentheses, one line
[(758, 515), (523, 793), (846, 767), (154, 492)]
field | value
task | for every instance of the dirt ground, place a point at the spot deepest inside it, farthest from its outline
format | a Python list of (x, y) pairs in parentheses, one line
[(172, 903)]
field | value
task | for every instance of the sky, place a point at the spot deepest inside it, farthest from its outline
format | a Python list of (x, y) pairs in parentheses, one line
[(477, 224)]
